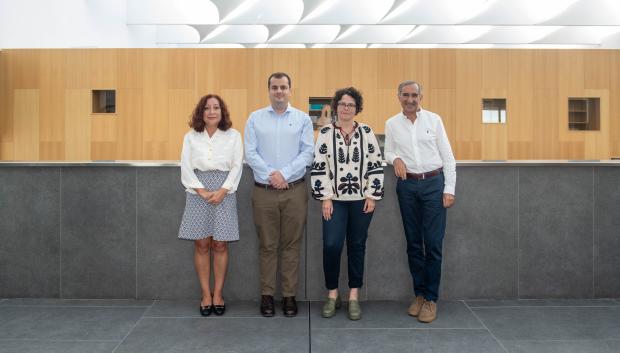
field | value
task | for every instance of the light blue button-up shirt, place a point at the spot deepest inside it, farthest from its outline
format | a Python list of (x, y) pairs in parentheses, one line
[(278, 142)]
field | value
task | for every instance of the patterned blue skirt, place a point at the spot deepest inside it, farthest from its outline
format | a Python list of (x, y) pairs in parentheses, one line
[(202, 220)]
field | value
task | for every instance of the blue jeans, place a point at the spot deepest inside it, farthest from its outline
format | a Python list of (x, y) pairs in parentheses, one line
[(424, 220), (348, 221)]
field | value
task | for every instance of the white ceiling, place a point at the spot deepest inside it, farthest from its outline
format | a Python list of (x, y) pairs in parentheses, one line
[(310, 23)]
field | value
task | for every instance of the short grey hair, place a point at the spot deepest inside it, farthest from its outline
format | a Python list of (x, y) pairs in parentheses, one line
[(409, 83)]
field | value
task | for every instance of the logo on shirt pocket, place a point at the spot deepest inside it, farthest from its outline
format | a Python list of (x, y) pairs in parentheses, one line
[(428, 134)]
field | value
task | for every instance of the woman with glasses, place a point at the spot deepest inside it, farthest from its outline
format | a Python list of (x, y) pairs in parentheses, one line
[(211, 165), (347, 176)]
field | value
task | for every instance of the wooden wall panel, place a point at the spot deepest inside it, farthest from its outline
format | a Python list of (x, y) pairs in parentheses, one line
[(77, 124), (102, 66), (155, 104), (129, 66), (129, 135), (181, 69), (52, 100), (230, 67), (181, 103), (103, 127), (596, 69), (468, 100), (444, 103), (24, 68), (26, 124), (398, 65), (365, 79), (545, 69), (338, 71), (287, 60), (442, 69), (545, 132), (390, 106), (596, 143), (76, 68), (157, 88), (6, 103), (154, 97), (237, 102), (494, 138), (614, 104), (521, 95), (495, 69), (494, 144), (52, 150), (260, 66)]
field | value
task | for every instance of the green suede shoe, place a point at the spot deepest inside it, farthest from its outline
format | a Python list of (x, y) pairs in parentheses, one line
[(355, 311), (329, 309)]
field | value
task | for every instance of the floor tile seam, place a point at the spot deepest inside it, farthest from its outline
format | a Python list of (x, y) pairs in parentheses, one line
[(53, 340), (60, 232), (128, 333), (518, 232), (227, 318), (309, 327), (545, 306), (564, 340), (136, 233), (75, 306), (400, 328), (485, 326), (148, 308), (133, 327)]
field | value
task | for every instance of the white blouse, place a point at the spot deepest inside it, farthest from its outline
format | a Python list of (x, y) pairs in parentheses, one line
[(347, 172), (223, 151)]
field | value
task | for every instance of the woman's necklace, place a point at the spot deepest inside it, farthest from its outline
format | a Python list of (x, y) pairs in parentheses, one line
[(347, 135)]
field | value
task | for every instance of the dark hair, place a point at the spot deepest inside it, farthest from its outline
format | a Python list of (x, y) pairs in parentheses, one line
[(353, 93), (196, 121), (278, 75)]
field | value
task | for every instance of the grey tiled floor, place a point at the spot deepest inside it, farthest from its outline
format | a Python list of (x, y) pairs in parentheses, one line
[(504, 326)]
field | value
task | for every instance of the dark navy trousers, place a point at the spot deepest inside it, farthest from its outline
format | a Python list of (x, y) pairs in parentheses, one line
[(348, 222), (424, 220)]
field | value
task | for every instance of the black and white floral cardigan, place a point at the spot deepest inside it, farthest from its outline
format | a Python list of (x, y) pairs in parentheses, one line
[(347, 173)]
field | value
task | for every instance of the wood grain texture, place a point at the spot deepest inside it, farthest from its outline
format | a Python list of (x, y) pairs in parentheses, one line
[(156, 90), (26, 124)]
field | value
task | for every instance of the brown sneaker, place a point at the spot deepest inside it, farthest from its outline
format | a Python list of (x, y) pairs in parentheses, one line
[(428, 312), (416, 306)]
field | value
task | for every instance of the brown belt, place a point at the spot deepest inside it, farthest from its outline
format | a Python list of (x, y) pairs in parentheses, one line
[(269, 187), (426, 175)]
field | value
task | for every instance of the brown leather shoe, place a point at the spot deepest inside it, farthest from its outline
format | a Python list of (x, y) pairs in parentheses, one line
[(416, 306), (428, 312), (266, 305), (289, 306)]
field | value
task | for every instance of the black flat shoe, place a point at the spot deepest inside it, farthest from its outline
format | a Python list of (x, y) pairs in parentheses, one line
[(206, 310), (219, 309), (289, 306), (266, 305)]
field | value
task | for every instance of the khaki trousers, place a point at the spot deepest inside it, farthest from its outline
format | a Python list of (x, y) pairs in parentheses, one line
[(280, 217)]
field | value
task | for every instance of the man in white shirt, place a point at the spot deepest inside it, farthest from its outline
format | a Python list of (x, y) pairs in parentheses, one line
[(417, 145)]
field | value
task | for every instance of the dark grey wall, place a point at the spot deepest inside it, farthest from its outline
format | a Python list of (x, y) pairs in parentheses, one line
[(110, 232)]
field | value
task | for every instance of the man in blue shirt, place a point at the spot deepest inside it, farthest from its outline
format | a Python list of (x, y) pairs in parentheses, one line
[(279, 145)]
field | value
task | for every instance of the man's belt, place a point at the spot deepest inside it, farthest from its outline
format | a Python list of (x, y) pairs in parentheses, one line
[(422, 176), (269, 187)]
